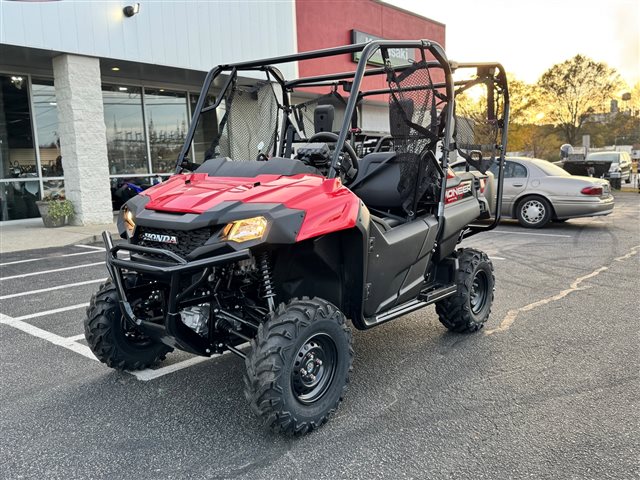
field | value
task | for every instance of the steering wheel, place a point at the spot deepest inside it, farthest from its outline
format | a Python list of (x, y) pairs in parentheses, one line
[(353, 156)]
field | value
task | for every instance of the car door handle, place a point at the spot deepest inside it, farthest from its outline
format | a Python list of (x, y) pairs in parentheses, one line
[(518, 184)]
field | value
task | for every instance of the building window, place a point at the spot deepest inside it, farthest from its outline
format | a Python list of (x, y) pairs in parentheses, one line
[(206, 128), (17, 156), (53, 189), (20, 183), (126, 140), (45, 110), (167, 122), (18, 199)]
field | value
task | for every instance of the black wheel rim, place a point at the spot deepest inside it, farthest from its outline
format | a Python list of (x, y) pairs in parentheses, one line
[(479, 293), (313, 368)]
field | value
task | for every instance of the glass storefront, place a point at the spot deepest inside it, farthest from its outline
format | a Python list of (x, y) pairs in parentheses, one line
[(45, 111), (126, 139), (145, 130), (17, 155), (20, 184), (167, 119)]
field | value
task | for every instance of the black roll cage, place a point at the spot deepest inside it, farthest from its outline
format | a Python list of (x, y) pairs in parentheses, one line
[(351, 81)]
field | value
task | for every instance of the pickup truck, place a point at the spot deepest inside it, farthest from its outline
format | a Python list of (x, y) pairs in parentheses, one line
[(608, 165)]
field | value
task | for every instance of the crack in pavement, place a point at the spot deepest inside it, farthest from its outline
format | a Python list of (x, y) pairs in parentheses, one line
[(512, 315)]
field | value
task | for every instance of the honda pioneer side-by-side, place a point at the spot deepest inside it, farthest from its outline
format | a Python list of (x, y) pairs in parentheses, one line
[(275, 230)]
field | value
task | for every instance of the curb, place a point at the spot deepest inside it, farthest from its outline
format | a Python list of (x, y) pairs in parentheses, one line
[(97, 238)]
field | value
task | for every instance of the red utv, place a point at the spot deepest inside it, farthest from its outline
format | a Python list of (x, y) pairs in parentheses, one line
[(274, 231)]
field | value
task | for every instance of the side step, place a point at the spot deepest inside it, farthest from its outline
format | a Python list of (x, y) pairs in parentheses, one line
[(424, 300)]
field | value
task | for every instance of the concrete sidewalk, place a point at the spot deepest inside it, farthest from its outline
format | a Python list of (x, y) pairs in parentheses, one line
[(32, 234)]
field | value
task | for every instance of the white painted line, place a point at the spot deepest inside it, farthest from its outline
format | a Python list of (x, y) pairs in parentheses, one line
[(51, 312), (496, 258), (151, 374), (70, 343), (75, 338), (43, 272), (91, 247), (58, 287), (48, 336), (527, 233), (92, 252), (575, 286)]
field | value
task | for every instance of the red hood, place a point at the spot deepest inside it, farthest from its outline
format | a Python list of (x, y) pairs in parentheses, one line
[(198, 192), (328, 205)]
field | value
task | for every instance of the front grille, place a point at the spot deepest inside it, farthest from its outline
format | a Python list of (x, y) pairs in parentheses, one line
[(187, 241)]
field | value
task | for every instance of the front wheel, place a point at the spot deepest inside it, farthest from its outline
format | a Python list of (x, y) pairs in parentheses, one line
[(534, 212), (112, 339), (469, 308), (299, 364)]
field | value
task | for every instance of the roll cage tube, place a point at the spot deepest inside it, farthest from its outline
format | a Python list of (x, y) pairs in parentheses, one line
[(367, 49), (200, 108), (476, 228)]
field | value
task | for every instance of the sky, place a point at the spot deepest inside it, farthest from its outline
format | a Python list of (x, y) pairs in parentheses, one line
[(528, 37)]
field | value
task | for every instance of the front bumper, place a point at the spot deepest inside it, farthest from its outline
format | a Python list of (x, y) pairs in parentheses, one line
[(172, 332)]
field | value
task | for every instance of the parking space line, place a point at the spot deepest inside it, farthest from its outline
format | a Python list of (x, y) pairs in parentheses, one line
[(92, 252), (42, 272), (75, 338), (151, 374), (496, 258), (51, 312), (527, 233), (91, 247), (71, 343), (57, 287), (48, 336)]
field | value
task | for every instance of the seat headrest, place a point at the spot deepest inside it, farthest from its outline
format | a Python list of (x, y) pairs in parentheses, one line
[(323, 118), (397, 125)]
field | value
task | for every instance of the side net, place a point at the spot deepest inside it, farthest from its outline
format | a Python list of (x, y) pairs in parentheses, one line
[(249, 124), (414, 118), (479, 121)]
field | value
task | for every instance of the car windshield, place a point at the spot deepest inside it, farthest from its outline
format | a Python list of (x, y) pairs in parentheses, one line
[(553, 170), (604, 156)]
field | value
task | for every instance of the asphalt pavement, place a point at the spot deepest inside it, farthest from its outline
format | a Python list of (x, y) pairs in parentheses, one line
[(549, 389)]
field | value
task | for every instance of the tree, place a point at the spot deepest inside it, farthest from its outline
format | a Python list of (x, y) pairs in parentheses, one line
[(525, 106), (575, 89)]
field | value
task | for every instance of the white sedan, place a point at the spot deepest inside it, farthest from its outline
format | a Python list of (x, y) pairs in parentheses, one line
[(537, 192)]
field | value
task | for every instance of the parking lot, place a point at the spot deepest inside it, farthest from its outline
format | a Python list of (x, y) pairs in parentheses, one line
[(549, 389)]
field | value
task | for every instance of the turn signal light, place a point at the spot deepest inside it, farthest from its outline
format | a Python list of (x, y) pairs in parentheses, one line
[(129, 221), (592, 190)]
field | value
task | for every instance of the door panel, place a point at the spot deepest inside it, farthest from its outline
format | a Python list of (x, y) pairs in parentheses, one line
[(515, 182)]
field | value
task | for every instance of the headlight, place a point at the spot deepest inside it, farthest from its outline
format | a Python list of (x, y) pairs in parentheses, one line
[(129, 222), (244, 230)]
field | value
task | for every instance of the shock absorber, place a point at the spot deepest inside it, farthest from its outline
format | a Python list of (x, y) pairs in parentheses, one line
[(267, 282)]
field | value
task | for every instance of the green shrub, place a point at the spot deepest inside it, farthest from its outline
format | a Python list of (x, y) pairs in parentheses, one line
[(59, 209)]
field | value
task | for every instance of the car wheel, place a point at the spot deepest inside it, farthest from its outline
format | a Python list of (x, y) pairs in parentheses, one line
[(534, 212), (469, 308), (298, 367)]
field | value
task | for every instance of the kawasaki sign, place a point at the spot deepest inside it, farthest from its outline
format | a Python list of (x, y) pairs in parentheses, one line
[(397, 56)]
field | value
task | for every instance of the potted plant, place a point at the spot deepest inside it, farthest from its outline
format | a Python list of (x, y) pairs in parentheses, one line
[(55, 210)]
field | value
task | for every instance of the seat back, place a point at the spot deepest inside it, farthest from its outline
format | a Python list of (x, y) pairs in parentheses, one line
[(323, 118)]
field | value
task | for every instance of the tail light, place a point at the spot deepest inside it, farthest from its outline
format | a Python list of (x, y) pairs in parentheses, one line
[(482, 185), (592, 190), (450, 173)]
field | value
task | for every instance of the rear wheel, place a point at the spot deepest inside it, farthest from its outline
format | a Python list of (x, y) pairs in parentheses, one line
[(534, 212), (298, 367), (469, 308), (111, 337)]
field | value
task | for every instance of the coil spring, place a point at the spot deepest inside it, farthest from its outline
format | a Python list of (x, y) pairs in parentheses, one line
[(267, 282)]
